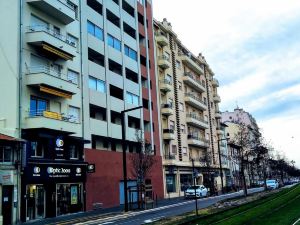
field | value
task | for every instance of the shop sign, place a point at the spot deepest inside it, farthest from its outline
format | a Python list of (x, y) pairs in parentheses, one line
[(56, 171), (59, 148), (91, 168), (7, 177)]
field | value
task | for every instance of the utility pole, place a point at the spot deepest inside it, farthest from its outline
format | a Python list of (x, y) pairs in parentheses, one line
[(194, 182), (124, 154)]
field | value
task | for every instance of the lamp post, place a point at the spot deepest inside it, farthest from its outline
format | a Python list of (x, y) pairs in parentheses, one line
[(194, 183), (124, 154)]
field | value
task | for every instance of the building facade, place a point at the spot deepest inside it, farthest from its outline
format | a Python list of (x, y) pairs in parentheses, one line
[(189, 113), (119, 73)]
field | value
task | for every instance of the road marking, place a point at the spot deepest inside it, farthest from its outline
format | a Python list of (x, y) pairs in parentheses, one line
[(296, 222)]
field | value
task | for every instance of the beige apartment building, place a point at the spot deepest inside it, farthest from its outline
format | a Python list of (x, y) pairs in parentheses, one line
[(190, 117)]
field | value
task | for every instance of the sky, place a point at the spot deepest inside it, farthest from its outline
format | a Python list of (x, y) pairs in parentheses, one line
[(253, 47)]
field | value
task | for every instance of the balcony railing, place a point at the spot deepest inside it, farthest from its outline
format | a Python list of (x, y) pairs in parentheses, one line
[(165, 81), (159, 33), (51, 72), (170, 157), (164, 57), (188, 74), (196, 98), (53, 115), (167, 106), (168, 131), (196, 137), (199, 118), (68, 4), (51, 32)]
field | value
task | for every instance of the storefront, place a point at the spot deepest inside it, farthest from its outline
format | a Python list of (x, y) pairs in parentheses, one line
[(53, 189)]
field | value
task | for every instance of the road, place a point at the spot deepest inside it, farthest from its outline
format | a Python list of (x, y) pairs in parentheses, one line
[(151, 215)]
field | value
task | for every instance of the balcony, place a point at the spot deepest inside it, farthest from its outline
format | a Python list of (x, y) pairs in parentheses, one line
[(195, 101), (219, 131), (167, 109), (189, 62), (217, 98), (162, 39), (196, 121), (168, 134), (164, 62), (62, 10), (51, 81), (52, 121), (215, 82), (165, 85), (218, 114), (190, 79), (52, 43), (197, 141)]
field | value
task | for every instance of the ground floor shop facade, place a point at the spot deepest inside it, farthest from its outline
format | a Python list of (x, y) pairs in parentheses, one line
[(52, 189)]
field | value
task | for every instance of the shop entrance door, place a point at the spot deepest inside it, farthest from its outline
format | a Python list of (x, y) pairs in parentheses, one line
[(35, 202), (7, 204)]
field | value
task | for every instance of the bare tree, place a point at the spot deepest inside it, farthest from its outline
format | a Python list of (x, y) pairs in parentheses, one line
[(143, 160)]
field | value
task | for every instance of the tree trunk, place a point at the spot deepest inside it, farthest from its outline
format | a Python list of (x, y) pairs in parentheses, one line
[(244, 181)]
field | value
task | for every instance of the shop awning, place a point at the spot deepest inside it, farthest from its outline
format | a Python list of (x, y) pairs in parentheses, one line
[(57, 52), (4, 137), (56, 92)]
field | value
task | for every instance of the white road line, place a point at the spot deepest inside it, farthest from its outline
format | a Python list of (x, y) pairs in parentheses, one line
[(296, 222)]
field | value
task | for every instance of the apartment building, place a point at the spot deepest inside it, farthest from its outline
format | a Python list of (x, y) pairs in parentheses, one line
[(189, 114), (68, 69), (119, 73)]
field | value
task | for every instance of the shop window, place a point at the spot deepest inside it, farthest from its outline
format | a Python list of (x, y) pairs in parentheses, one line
[(38, 148), (6, 154), (170, 182), (186, 180), (74, 154)]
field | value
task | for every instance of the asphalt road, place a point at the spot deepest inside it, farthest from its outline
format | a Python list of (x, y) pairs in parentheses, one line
[(151, 215)]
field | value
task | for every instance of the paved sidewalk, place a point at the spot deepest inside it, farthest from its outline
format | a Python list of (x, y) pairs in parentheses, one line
[(65, 219)]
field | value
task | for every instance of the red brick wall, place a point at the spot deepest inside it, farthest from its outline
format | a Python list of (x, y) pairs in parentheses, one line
[(103, 185)]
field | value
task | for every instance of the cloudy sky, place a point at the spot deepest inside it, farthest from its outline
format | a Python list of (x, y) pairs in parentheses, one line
[(253, 46)]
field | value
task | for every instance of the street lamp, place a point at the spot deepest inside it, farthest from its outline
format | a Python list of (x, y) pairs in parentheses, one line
[(124, 153)]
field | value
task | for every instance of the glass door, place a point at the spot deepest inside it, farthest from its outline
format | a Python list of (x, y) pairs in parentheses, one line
[(35, 202)]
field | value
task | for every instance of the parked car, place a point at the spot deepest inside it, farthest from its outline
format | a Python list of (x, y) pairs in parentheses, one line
[(272, 184), (201, 191)]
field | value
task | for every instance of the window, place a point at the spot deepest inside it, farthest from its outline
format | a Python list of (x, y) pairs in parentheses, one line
[(38, 148), (184, 150), (170, 183), (179, 85), (73, 152), (128, 8), (95, 30), (182, 128), (178, 64), (96, 84), (37, 23), (95, 57), (129, 30), (113, 42), (6, 154), (132, 99), (186, 180), (38, 106), (174, 150), (181, 107), (71, 40), (95, 5), (172, 125), (73, 114), (112, 18), (72, 77), (168, 78), (130, 52)]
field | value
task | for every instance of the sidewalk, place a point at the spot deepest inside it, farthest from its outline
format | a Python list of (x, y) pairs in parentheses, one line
[(104, 212)]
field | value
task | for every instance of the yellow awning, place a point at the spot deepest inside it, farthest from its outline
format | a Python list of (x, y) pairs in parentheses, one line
[(55, 92), (57, 52)]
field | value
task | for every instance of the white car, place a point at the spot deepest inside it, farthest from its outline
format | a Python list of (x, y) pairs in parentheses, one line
[(201, 191), (272, 184)]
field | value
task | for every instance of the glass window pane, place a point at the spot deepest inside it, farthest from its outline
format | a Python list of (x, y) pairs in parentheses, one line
[(126, 50), (33, 147), (33, 108), (92, 83), (101, 86), (132, 54), (7, 154), (99, 33), (117, 45), (110, 40), (91, 28), (135, 100), (41, 106), (73, 114), (129, 97), (72, 76)]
